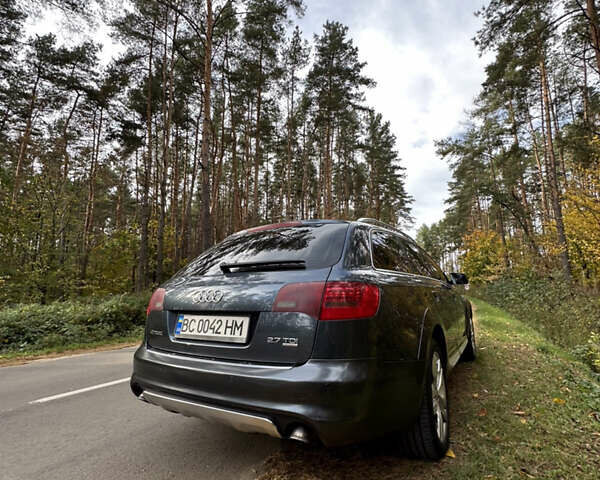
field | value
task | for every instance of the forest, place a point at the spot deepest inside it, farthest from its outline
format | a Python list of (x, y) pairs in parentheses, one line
[(120, 164), (523, 213), (525, 186), (217, 116)]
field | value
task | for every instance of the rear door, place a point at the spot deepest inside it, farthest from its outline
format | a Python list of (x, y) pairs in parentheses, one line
[(448, 303), (405, 297), (235, 284)]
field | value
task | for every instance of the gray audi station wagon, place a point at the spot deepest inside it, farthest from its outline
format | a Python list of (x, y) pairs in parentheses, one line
[(319, 330)]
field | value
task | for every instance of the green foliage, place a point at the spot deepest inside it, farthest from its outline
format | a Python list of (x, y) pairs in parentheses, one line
[(113, 263), (567, 315), (23, 327), (103, 174), (388, 199)]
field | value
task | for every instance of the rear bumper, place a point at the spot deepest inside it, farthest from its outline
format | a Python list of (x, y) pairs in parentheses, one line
[(340, 401)]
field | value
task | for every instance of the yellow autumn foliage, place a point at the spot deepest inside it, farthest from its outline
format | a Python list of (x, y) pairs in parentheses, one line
[(581, 212), (482, 259)]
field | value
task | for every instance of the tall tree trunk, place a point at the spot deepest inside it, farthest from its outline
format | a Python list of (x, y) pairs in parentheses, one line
[(167, 114), (592, 15), (328, 200), (528, 221), (585, 92), (187, 231), (65, 138), (89, 209), (552, 177), (540, 172), (247, 171), (291, 133), (218, 170), (207, 224), (257, 148), (25, 140), (236, 207), (304, 187), (557, 133), (142, 270)]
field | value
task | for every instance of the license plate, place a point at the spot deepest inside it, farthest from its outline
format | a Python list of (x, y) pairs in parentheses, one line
[(216, 328)]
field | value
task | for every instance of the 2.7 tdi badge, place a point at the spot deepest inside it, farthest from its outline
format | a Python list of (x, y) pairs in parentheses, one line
[(284, 341)]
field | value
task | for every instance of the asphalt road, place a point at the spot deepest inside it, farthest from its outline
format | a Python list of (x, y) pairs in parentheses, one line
[(105, 432)]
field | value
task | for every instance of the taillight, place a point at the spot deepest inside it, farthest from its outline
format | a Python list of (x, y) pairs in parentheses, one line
[(348, 300), (300, 297), (329, 301), (156, 301)]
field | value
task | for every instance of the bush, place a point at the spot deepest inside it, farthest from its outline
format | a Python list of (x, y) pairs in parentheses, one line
[(25, 327), (567, 315), (592, 351)]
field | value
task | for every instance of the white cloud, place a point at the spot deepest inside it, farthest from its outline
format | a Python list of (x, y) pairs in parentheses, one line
[(53, 21), (427, 71)]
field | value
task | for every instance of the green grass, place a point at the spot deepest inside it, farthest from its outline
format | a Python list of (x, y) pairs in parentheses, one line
[(524, 409), (34, 353)]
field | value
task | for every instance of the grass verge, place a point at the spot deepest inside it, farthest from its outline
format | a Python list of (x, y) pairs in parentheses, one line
[(20, 357), (524, 409)]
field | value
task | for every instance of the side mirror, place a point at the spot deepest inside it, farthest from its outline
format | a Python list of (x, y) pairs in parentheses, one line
[(459, 278)]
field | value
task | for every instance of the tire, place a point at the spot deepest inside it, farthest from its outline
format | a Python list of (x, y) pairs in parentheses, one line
[(429, 438), (470, 352)]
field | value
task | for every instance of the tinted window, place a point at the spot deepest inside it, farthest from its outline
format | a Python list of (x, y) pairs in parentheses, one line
[(358, 254), (428, 267), (391, 253), (318, 244)]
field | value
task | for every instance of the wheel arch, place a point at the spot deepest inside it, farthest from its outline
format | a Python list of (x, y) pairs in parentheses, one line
[(439, 336)]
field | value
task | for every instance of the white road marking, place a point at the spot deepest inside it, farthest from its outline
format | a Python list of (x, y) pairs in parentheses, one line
[(81, 390)]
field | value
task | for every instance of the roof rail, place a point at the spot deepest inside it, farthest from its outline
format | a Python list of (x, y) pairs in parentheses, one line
[(379, 223)]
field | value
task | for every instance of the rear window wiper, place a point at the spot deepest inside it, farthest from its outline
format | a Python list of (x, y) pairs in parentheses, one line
[(263, 266)]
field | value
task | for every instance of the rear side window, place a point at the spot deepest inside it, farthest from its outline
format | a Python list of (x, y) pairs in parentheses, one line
[(319, 245), (391, 253), (358, 254)]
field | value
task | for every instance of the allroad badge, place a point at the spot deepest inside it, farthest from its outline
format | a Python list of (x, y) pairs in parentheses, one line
[(207, 296)]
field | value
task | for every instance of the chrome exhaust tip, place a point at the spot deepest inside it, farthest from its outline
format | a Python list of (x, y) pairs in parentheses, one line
[(142, 398), (300, 434)]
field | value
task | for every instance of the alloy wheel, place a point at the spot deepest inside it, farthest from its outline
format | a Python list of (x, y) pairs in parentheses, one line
[(439, 397)]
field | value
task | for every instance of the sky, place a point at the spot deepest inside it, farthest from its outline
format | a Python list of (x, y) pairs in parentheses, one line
[(427, 70)]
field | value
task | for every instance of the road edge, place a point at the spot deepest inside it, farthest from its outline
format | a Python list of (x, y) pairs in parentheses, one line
[(81, 350)]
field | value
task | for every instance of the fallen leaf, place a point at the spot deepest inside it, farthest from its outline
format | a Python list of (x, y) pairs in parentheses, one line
[(482, 412), (523, 420), (450, 453), (559, 401), (475, 395)]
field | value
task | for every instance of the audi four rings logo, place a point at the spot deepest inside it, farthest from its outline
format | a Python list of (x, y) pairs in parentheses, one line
[(207, 296)]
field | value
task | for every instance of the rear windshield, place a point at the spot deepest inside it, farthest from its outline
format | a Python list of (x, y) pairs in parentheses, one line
[(319, 245)]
